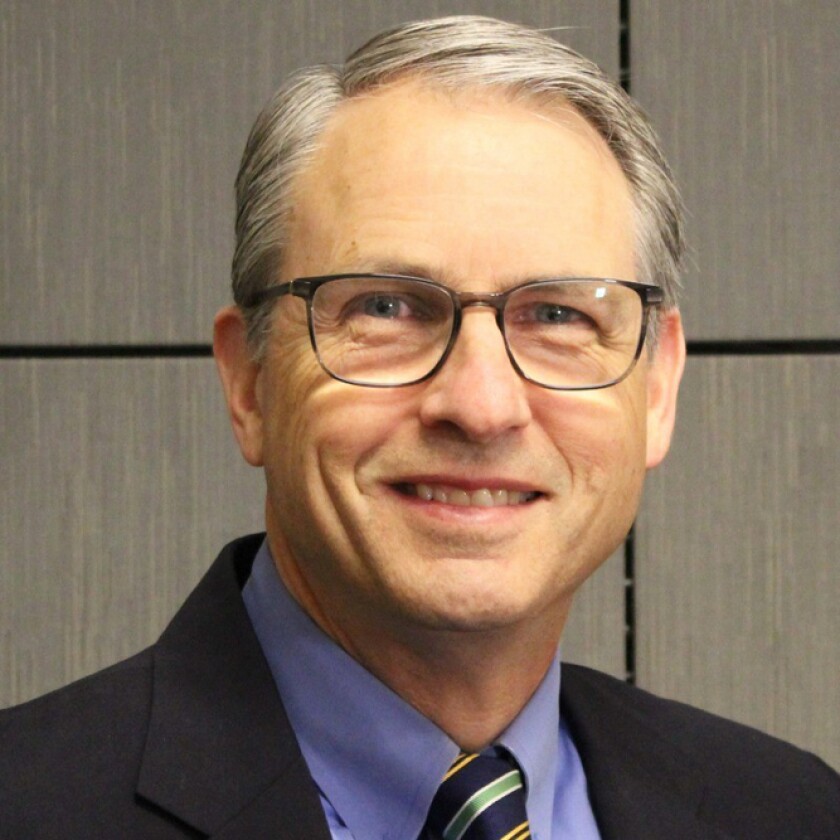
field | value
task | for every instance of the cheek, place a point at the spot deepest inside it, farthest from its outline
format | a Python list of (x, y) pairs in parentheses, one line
[(601, 442), (601, 437), (291, 376), (323, 431), (349, 426)]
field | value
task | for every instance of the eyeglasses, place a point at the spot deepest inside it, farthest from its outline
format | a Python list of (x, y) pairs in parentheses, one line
[(387, 331)]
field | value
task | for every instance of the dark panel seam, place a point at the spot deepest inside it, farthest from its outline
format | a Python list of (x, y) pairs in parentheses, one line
[(764, 347), (105, 351), (629, 544)]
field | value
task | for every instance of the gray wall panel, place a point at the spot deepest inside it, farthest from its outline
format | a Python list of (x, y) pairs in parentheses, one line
[(745, 96), (121, 126), (121, 482), (737, 576)]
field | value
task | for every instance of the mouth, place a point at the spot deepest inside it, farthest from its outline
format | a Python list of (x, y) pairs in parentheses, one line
[(484, 497)]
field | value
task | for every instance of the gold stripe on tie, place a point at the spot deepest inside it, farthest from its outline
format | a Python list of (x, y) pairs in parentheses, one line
[(521, 832), (459, 764), (481, 796)]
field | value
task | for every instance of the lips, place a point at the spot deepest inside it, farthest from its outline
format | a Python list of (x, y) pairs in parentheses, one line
[(463, 497)]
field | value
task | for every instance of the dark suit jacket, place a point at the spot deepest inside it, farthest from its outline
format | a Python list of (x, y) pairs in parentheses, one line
[(189, 739)]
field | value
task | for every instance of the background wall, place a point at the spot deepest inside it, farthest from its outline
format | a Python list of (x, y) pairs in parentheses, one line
[(121, 128), (737, 576)]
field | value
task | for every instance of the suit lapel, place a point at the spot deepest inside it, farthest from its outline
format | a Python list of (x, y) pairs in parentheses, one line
[(220, 754), (221, 757), (641, 786)]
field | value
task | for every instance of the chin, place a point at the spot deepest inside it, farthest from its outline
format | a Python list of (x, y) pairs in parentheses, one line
[(471, 611)]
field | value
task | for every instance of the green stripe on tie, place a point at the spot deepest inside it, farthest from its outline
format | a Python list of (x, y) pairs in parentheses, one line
[(479, 801)]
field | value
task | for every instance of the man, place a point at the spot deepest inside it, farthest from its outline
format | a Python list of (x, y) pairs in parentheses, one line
[(455, 350)]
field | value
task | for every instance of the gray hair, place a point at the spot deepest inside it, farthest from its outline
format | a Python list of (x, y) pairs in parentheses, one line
[(451, 53)]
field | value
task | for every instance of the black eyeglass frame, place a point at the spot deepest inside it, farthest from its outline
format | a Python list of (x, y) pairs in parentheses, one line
[(306, 287)]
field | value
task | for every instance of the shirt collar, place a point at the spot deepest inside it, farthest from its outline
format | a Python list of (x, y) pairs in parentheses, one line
[(374, 757)]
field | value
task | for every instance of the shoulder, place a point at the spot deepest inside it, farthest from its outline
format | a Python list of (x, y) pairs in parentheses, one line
[(743, 770), (704, 735), (157, 746), (101, 703), (75, 750)]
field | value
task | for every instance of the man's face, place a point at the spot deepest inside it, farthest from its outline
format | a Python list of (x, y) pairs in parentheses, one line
[(480, 194)]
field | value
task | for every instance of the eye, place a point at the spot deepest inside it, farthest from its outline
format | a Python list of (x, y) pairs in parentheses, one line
[(376, 302), (384, 306), (554, 313), (545, 314)]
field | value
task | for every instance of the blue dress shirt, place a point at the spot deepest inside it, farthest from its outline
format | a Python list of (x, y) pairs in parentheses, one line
[(377, 762)]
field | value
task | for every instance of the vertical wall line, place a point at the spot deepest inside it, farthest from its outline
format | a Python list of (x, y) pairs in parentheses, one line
[(624, 44), (630, 607), (624, 77)]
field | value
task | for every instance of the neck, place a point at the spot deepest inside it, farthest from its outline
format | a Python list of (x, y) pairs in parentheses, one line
[(471, 682), (471, 685)]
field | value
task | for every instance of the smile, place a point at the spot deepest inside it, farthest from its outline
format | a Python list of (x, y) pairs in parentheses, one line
[(482, 497)]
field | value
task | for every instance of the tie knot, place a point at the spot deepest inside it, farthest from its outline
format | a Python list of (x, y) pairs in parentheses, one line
[(481, 797)]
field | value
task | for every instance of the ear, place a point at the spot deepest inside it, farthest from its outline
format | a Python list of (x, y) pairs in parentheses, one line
[(240, 377), (665, 369)]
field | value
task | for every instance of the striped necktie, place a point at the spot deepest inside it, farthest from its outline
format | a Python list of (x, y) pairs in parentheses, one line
[(480, 798)]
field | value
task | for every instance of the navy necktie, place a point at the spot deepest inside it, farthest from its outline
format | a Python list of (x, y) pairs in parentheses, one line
[(480, 798)]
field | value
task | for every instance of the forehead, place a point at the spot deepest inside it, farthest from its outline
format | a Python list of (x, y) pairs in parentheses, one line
[(461, 182)]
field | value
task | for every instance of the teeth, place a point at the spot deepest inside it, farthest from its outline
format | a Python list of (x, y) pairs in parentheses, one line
[(476, 498), (459, 497), (482, 498), (425, 492)]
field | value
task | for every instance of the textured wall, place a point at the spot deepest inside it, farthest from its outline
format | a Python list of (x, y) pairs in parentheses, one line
[(121, 128), (736, 570), (122, 125)]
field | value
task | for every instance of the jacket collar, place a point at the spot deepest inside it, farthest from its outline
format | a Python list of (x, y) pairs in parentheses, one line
[(642, 785), (220, 754)]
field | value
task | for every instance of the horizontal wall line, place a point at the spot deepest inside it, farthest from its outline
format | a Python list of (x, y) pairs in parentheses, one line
[(104, 351), (765, 347), (731, 347)]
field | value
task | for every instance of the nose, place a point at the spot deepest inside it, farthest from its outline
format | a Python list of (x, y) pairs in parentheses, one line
[(477, 390)]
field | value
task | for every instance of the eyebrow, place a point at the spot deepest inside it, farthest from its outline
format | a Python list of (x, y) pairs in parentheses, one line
[(393, 266), (408, 268)]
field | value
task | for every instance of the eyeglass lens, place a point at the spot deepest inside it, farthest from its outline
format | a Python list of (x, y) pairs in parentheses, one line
[(392, 331)]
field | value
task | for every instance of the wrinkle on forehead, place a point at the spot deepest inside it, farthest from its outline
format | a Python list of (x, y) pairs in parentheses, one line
[(368, 151)]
